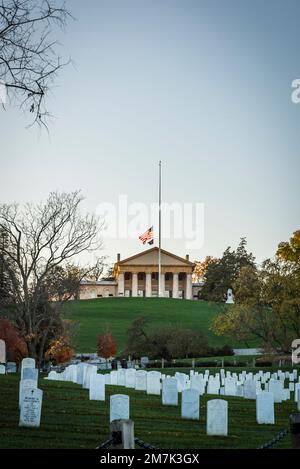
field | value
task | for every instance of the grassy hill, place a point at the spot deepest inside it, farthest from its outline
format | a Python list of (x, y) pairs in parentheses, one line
[(93, 317)]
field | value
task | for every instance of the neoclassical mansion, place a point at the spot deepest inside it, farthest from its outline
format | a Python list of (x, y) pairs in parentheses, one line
[(137, 276)]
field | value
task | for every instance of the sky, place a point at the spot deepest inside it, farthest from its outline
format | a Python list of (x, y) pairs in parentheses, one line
[(204, 86)]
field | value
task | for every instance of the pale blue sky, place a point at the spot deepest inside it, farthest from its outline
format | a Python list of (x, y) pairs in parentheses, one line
[(204, 85)]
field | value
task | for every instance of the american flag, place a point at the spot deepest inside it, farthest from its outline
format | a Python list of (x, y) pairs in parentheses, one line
[(147, 237)]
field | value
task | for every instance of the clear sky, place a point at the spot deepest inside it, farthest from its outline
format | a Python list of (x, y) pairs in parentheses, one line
[(203, 85)]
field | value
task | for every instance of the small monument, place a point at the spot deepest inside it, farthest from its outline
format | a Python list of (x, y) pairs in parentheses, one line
[(230, 297)]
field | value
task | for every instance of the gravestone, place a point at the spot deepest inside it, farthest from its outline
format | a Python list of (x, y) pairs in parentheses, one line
[(213, 386), (141, 380), (170, 391), (230, 387), (27, 363), (114, 377), (90, 370), (11, 367), (71, 373), (198, 383), (130, 378), (107, 378), (31, 407), (190, 404), (250, 389), (298, 402), (80, 373), (153, 382), (29, 373), (265, 408), (217, 417), (2, 370), (182, 379), (121, 377), (24, 385), (2, 351), (276, 388), (97, 387), (119, 407)]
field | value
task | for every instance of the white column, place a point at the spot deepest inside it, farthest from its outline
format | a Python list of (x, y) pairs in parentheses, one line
[(121, 285), (162, 284), (188, 287), (134, 284), (148, 285), (175, 286)]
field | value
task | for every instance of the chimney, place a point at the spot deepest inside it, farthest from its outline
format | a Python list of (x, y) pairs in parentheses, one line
[(187, 257), (118, 257)]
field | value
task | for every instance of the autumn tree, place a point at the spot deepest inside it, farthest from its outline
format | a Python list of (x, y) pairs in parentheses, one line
[(16, 348), (60, 350), (42, 238), (29, 58), (201, 268), (106, 346)]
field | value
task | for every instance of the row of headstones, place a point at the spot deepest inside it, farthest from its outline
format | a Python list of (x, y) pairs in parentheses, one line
[(248, 385), (217, 411), (10, 367)]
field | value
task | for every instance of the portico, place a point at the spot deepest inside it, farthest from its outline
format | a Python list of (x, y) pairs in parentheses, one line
[(138, 275)]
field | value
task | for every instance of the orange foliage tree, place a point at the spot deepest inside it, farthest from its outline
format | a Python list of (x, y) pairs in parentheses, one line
[(16, 348), (107, 346), (60, 350)]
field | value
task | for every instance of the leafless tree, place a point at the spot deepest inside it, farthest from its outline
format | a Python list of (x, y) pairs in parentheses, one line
[(40, 239), (28, 52)]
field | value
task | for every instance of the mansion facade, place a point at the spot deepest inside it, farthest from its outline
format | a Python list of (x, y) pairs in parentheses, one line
[(137, 276)]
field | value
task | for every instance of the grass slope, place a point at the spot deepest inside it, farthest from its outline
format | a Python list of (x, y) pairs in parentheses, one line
[(95, 316), (70, 420)]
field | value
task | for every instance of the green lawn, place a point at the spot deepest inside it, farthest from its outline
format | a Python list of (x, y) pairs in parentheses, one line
[(94, 317), (70, 420)]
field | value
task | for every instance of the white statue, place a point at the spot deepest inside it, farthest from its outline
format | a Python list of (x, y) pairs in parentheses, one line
[(230, 297)]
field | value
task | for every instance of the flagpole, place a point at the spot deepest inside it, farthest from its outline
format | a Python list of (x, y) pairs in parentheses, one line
[(159, 233)]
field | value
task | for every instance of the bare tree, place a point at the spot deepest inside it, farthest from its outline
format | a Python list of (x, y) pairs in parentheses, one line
[(40, 239), (28, 53)]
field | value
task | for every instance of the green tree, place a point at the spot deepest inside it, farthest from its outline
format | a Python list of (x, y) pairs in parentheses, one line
[(221, 273)]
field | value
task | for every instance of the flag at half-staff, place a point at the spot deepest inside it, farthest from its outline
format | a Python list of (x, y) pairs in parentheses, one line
[(147, 237)]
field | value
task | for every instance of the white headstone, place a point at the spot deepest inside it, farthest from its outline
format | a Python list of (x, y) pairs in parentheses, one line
[(29, 373), (265, 408), (153, 382), (24, 385), (190, 404), (170, 391), (217, 417), (2, 370), (276, 388), (198, 383), (121, 377), (90, 370), (141, 380), (97, 387), (2, 351), (27, 363), (250, 389), (114, 377), (130, 378), (119, 407), (230, 387), (31, 407)]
